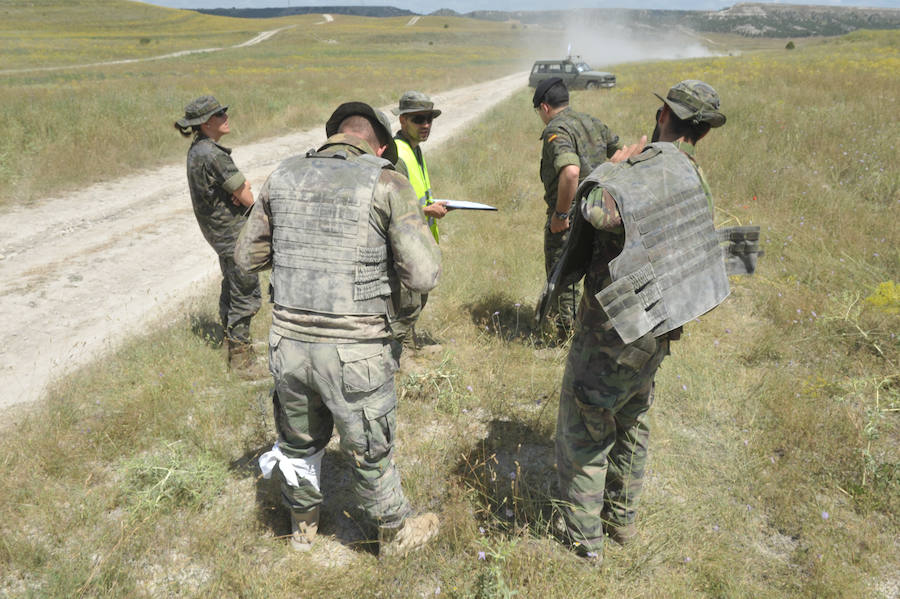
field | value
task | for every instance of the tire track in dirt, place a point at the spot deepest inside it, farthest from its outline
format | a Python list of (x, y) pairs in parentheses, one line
[(85, 270)]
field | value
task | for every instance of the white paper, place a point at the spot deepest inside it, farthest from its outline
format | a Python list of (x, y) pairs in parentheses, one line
[(464, 205)]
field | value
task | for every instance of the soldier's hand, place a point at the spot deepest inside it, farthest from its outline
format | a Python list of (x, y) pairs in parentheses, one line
[(436, 210), (627, 152), (557, 225)]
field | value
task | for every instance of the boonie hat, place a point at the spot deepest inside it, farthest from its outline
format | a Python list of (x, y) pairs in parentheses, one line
[(199, 111), (695, 101), (413, 101), (378, 119), (542, 88)]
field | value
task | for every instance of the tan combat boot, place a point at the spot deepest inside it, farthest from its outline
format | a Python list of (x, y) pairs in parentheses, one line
[(242, 360), (624, 534), (304, 526), (412, 535)]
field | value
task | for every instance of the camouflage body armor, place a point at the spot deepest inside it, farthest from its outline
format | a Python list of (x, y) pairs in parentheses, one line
[(671, 269), (320, 228)]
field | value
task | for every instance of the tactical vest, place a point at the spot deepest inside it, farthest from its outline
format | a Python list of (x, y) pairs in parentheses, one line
[(418, 177), (671, 269), (320, 228)]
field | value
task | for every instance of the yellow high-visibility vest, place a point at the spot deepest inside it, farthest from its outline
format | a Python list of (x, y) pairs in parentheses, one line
[(418, 177)]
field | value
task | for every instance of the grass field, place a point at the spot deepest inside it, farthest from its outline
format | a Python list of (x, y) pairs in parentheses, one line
[(285, 83), (774, 452)]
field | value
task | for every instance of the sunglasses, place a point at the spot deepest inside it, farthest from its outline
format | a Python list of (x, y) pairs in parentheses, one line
[(421, 119), (221, 114)]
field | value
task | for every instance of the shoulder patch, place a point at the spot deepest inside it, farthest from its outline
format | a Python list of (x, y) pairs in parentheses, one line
[(552, 137)]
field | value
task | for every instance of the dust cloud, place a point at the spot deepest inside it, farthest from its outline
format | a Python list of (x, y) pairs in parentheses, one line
[(616, 42)]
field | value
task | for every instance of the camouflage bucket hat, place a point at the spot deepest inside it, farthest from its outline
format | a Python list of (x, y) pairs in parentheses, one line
[(412, 101), (695, 101), (199, 111), (378, 119)]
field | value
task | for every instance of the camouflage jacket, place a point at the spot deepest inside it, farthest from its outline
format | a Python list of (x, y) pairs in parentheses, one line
[(212, 178), (395, 220), (599, 209), (573, 138)]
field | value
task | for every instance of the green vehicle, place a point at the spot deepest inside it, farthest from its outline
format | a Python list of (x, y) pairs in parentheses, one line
[(576, 73)]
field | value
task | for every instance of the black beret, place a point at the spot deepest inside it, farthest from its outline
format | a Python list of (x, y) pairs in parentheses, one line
[(542, 88)]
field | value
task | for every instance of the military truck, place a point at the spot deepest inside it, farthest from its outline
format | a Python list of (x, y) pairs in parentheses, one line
[(575, 72)]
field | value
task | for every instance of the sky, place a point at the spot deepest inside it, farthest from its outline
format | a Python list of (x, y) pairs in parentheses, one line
[(427, 6)]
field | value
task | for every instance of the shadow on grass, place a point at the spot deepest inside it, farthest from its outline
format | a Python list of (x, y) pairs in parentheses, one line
[(513, 475), (507, 319), (207, 329), (340, 517)]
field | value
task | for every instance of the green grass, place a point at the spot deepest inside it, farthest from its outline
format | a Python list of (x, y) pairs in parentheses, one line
[(774, 460)]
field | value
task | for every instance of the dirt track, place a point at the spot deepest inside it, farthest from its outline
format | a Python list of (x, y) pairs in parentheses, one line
[(83, 271)]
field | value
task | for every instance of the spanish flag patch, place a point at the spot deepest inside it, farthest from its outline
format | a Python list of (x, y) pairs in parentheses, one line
[(552, 137)]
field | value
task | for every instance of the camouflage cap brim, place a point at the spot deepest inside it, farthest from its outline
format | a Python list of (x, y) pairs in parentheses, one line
[(435, 112)]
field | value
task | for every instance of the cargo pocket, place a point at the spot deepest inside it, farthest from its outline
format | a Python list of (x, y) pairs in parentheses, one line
[(363, 367), (599, 421), (381, 425)]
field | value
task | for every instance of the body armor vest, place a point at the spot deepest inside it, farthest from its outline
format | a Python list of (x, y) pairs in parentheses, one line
[(671, 269), (320, 228)]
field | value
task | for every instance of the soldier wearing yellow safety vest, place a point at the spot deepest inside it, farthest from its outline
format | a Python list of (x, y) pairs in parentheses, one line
[(416, 112)]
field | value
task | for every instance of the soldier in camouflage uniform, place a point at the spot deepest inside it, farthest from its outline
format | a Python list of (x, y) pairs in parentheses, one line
[(343, 232), (221, 197), (573, 145), (653, 209)]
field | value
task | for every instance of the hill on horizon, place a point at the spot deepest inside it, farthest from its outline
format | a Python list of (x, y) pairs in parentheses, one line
[(747, 19)]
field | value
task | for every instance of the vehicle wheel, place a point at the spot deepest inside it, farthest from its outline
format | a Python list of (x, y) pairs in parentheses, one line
[(592, 85)]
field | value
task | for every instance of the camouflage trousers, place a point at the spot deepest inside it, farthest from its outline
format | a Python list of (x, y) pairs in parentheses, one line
[(567, 302), (320, 386), (239, 299), (602, 430)]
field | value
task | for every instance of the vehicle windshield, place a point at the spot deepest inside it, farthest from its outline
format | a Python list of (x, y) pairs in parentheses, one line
[(582, 67)]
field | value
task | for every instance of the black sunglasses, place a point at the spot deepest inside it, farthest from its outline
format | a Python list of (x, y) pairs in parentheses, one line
[(421, 119), (221, 114)]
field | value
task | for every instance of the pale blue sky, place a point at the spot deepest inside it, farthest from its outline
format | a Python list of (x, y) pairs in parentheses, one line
[(426, 6)]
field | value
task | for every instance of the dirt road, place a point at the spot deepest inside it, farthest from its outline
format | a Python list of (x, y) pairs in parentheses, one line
[(83, 271), (261, 37)]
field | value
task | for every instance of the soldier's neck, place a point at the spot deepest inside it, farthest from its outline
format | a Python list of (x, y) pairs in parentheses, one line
[(412, 144)]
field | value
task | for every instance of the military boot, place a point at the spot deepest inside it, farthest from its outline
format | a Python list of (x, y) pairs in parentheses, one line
[(242, 360), (304, 526), (623, 534), (412, 535)]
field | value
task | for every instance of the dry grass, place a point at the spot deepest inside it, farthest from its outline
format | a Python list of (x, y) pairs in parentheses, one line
[(774, 466), (286, 83)]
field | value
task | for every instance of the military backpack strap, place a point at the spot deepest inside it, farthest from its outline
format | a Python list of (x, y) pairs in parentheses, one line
[(740, 246)]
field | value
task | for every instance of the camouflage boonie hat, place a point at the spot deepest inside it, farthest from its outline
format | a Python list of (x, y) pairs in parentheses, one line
[(378, 119), (413, 101), (695, 101), (199, 111)]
